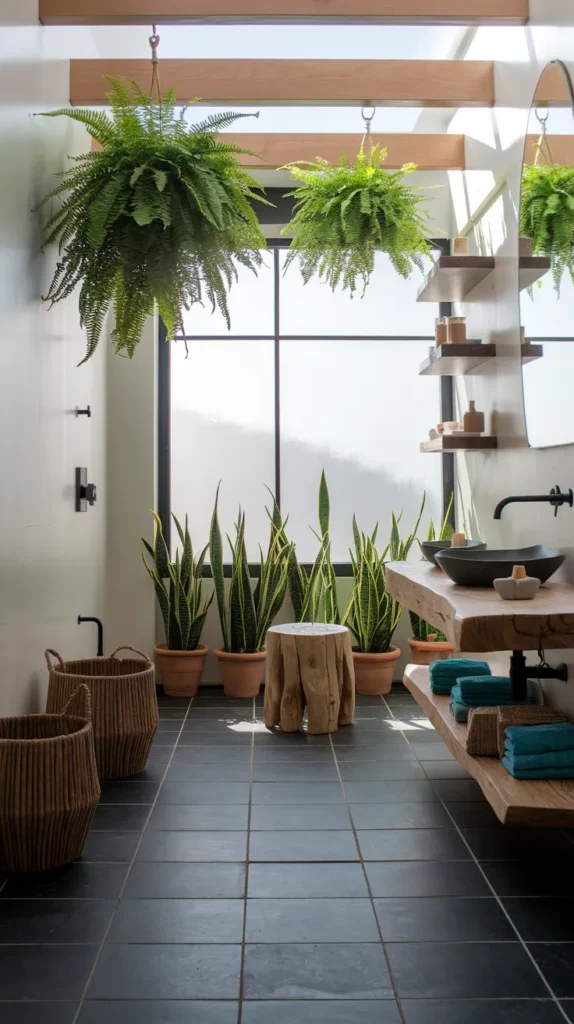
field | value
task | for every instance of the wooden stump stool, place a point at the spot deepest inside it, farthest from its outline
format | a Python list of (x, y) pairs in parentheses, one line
[(309, 664)]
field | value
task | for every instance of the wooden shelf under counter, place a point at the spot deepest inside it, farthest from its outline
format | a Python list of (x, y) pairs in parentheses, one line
[(538, 803)]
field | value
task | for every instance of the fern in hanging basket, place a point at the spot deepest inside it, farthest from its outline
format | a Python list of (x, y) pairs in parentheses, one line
[(161, 214), (547, 216), (346, 213)]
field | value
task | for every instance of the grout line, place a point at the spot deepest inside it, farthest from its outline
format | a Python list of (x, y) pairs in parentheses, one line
[(247, 852), (498, 899), (130, 866), (368, 884)]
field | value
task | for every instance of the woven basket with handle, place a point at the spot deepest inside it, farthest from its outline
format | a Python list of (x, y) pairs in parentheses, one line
[(49, 786), (124, 704)]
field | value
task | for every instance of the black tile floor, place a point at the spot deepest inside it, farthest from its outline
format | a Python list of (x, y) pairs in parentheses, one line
[(248, 878)]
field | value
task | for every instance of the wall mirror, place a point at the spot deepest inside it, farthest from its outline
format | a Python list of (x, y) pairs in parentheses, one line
[(547, 261)]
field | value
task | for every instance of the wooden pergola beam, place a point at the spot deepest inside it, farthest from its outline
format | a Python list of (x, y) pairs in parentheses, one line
[(386, 12), (426, 83)]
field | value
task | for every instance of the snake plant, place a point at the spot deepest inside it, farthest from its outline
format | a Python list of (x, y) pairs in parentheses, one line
[(345, 214), (178, 586), (422, 630), (372, 615), (161, 212), (246, 613), (313, 591)]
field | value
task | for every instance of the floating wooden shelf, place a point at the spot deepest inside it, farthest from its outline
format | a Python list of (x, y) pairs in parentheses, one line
[(453, 277), (456, 358), (464, 357), (544, 803), (455, 443), (475, 619), (532, 268)]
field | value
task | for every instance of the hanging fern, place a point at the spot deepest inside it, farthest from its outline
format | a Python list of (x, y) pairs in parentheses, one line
[(347, 213), (547, 216), (161, 214)]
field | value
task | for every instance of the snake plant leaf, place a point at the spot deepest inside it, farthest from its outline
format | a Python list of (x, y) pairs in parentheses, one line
[(160, 554), (160, 216), (216, 559), (160, 590), (174, 639), (324, 505)]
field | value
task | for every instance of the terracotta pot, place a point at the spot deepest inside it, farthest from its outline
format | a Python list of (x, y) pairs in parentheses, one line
[(374, 672), (242, 674), (180, 670), (424, 652)]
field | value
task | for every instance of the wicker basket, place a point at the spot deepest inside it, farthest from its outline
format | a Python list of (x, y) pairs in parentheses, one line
[(534, 714), (124, 703), (482, 735), (49, 786)]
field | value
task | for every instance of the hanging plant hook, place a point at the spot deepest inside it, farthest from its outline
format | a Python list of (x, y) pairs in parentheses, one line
[(368, 119), (154, 41), (543, 140)]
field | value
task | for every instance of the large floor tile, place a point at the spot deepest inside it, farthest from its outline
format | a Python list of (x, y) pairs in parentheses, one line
[(292, 881), (204, 793), (530, 878), (180, 817), (386, 771), (120, 818), (222, 739), (79, 881), (321, 971), (178, 920), (295, 771), (468, 970), (267, 818), (110, 846), (298, 793), (276, 740), (314, 1011), (209, 754), (380, 752), (38, 1013), (543, 920), (426, 878), (198, 771), (474, 814), (458, 790), (519, 844), (193, 846), (45, 972), (430, 751), (459, 1011), (556, 961), (186, 881), (399, 815), (311, 920), (129, 792), (44, 921), (442, 919), (302, 846), (412, 844), (151, 1011), (167, 972), (445, 770), (389, 792)]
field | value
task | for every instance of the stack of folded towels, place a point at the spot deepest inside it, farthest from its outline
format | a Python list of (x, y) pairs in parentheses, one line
[(482, 692), (540, 751), (446, 674)]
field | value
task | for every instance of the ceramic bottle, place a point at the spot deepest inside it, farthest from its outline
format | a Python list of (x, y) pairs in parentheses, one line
[(473, 421)]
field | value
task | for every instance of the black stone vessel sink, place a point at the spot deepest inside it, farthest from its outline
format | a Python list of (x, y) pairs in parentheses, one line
[(431, 547), (472, 567)]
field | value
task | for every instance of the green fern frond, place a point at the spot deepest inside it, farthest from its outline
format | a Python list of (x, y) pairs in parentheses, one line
[(547, 216)]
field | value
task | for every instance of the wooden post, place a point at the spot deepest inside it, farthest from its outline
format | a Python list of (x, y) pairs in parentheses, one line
[(309, 664)]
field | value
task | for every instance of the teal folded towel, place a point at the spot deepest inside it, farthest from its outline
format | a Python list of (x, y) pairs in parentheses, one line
[(498, 693), (444, 674), (459, 711), (484, 686), (553, 759), (540, 739), (536, 773)]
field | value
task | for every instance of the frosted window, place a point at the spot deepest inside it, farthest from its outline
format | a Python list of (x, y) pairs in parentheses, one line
[(547, 384), (223, 429), (358, 410), (388, 306)]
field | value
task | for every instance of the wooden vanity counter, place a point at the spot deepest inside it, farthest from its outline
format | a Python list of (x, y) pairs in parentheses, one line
[(476, 620)]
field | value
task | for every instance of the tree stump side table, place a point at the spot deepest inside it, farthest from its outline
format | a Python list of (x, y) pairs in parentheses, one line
[(309, 664)]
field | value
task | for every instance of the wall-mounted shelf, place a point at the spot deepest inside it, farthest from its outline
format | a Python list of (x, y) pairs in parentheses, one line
[(455, 443), (459, 358), (532, 268), (453, 277), (537, 803), (530, 352)]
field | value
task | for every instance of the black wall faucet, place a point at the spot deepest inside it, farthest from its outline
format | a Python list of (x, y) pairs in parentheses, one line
[(556, 498)]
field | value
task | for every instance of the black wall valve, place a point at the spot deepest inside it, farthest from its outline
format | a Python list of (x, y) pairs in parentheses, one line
[(85, 493)]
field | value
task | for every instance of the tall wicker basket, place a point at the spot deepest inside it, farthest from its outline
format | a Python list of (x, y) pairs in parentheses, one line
[(124, 703), (49, 786)]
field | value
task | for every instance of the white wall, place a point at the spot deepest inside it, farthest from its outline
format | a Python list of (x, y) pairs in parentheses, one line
[(51, 558), (494, 150)]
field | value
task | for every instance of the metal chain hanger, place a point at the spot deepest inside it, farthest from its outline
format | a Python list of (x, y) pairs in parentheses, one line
[(542, 144), (367, 137), (154, 41)]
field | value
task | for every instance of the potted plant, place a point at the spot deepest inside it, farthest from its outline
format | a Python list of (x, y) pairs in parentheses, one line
[(159, 213), (427, 643), (178, 586), (547, 215), (246, 613), (346, 213), (313, 591), (372, 617)]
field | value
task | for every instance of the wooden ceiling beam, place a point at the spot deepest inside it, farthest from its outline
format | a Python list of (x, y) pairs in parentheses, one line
[(386, 12), (426, 83), (561, 150)]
